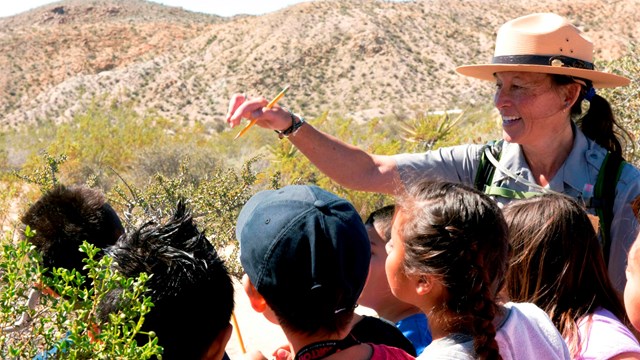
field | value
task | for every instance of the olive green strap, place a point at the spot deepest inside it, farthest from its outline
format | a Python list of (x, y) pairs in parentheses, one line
[(509, 193), (604, 195)]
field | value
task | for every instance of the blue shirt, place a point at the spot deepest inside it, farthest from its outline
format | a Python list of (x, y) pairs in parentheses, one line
[(53, 352), (416, 329)]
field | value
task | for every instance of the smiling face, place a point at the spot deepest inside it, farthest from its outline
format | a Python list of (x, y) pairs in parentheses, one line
[(531, 106), (632, 288)]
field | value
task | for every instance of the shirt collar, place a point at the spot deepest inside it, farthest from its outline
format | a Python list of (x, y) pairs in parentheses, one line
[(513, 159), (575, 171)]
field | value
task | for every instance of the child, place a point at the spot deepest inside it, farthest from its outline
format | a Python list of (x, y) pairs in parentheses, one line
[(448, 255), (376, 293), (62, 218), (190, 287), (558, 265), (306, 253)]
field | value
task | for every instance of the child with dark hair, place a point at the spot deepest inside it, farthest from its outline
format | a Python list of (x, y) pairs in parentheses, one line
[(189, 285), (448, 256), (62, 219), (376, 293), (305, 252), (558, 265)]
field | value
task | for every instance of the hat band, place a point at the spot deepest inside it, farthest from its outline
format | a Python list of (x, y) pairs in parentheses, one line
[(555, 61)]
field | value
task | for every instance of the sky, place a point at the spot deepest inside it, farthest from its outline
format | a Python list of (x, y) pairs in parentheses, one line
[(217, 7)]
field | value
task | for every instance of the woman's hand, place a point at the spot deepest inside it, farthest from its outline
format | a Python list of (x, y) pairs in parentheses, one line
[(243, 107)]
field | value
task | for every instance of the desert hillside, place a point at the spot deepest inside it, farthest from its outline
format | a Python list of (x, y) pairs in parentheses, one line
[(361, 58)]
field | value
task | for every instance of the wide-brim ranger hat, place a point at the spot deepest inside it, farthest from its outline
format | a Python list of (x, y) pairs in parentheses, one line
[(304, 249), (543, 43)]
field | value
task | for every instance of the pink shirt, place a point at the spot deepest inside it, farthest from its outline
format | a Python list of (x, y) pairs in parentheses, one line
[(382, 352), (604, 336)]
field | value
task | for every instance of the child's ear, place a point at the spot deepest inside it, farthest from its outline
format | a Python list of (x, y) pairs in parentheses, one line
[(216, 349), (425, 284), (257, 301)]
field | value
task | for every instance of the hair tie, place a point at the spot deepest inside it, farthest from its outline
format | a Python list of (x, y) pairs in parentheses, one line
[(590, 94)]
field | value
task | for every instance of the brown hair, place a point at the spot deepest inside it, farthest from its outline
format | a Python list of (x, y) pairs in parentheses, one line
[(458, 234), (557, 263), (63, 218)]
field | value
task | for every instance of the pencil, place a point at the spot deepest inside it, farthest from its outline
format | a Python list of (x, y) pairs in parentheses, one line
[(269, 106)]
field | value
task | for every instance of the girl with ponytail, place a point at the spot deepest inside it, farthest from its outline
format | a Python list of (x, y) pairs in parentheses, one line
[(448, 256)]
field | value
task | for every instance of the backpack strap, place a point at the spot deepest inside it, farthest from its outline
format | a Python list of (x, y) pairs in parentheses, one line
[(485, 172), (509, 193), (604, 195)]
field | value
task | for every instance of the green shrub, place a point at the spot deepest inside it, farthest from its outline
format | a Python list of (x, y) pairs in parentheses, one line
[(215, 199), (625, 100), (68, 321)]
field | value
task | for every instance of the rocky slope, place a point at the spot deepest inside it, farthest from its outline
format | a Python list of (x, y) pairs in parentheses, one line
[(359, 58)]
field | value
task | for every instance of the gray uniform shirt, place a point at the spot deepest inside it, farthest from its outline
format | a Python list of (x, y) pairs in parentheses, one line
[(460, 164)]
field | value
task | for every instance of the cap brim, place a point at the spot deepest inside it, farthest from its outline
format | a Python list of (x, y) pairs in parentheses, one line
[(599, 79)]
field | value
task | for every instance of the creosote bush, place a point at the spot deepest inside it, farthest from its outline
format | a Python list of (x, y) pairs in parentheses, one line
[(215, 199), (65, 324)]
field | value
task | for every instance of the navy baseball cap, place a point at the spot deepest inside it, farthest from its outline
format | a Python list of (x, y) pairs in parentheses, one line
[(304, 246)]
